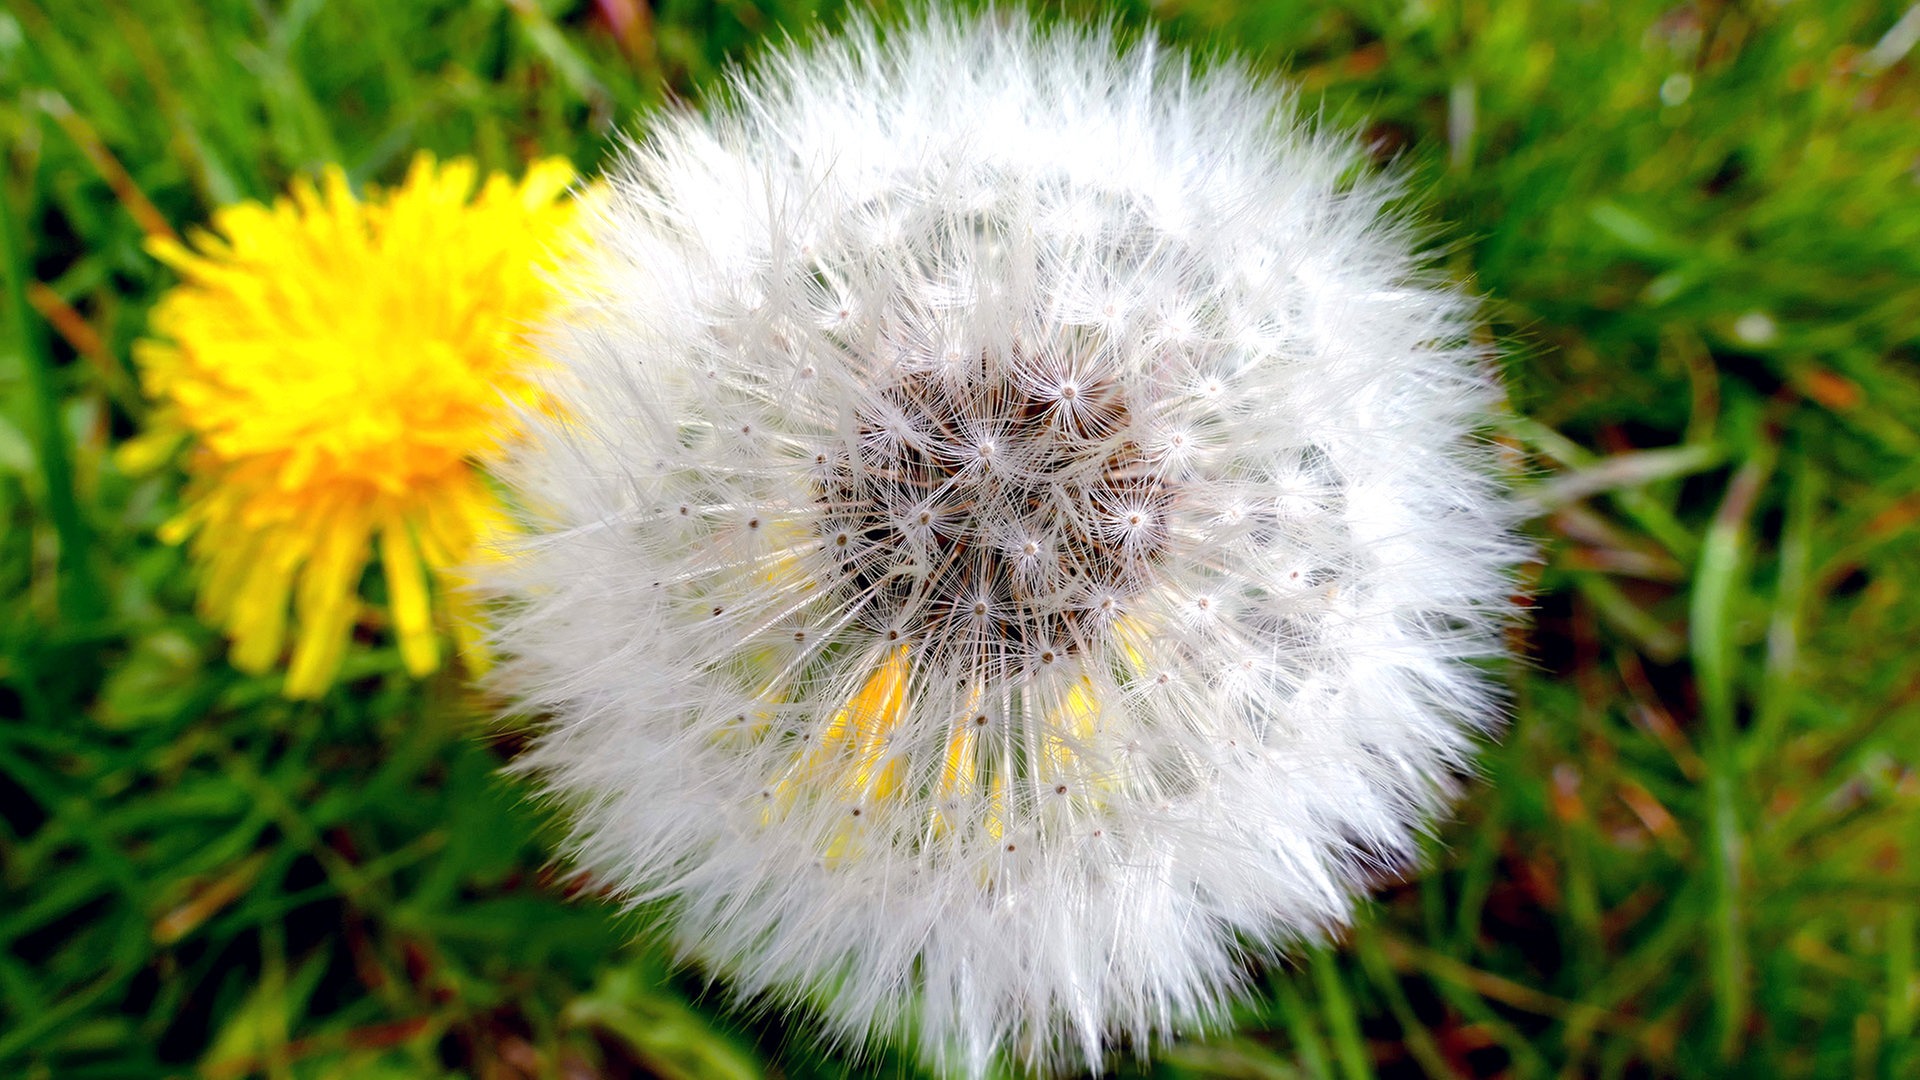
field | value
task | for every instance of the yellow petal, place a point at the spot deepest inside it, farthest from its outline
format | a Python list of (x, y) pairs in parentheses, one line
[(407, 592), (327, 602), (258, 616)]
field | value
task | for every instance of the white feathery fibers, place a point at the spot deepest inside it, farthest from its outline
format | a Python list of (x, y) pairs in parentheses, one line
[(1011, 539)]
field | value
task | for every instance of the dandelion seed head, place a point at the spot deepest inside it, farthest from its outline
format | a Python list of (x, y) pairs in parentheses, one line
[(1123, 562)]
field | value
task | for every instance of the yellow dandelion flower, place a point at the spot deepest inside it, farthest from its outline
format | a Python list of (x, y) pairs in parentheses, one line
[(344, 369)]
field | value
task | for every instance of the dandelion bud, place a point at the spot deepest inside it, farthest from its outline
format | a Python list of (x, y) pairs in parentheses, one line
[(1012, 534)]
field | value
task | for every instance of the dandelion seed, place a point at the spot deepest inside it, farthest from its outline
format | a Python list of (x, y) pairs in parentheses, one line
[(1136, 496), (342, 369)]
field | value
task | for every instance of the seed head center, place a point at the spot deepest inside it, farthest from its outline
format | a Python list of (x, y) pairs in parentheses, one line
[(993, 516)]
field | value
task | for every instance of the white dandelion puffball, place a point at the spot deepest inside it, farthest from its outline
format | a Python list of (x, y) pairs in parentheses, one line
[(1013, 538)]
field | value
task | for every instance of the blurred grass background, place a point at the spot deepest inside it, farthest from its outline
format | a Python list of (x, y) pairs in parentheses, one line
[(1696, 852)]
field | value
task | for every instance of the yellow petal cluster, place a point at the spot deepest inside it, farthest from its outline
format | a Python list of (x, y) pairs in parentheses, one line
[(345, 370)]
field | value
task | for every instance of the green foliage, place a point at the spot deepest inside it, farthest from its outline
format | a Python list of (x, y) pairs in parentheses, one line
[(1695, 853)]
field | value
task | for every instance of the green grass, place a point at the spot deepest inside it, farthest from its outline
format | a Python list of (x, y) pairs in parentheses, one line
[(1695, 853)]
